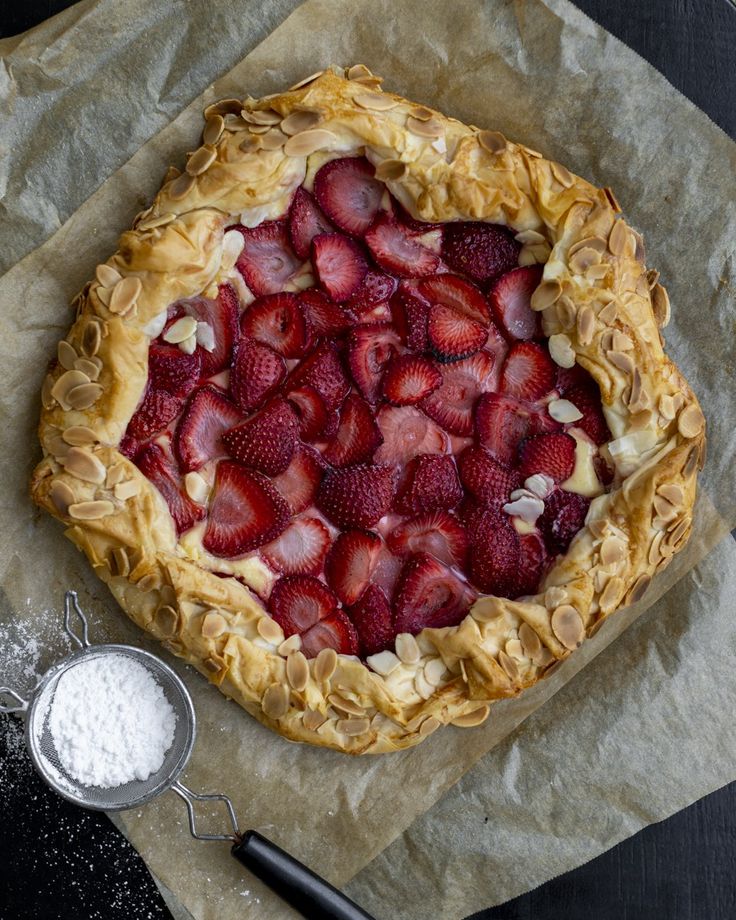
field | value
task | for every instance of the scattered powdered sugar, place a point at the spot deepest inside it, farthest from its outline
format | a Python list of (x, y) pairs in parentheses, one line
[(110, 721)]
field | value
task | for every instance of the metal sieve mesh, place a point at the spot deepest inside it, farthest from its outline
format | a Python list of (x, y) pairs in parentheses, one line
[(130, 795)]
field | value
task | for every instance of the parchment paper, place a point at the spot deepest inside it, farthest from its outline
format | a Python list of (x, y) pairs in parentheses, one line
[(540, 73)]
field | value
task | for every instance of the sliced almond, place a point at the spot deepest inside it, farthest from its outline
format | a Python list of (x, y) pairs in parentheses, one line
[(84, 396), (622, 360), (345, 705), (119, 562), (313, 719), (307, 142), (201, 160), (353, 727), (407, 648), (79, 436), (661, 305), (664, 509), (531, 644), (126, 490), (431, 128), (213, 129), (156, 221), (66, 355), (566, 312), (530, 237), (673, 492), (292, 644), (297, 671), (223, 107), (91, 338), (261, 117), (638, 589), (115, 474), (563, 175), (508, 665), (273, 139), (301, 120), (124, 294), (423, 686), (621, 341), (690, 422), (325, 664), (609, 313), (473, 718), (492, 141), (618, 238), (585, 325), (429, 725), (562, 410), (546, 294), (582, 260), (250, 144), (107, 275), (68, 381), (561, 350), (61, 495), (434, 671), (612, 199), (181, 186), (91, 511), (589, 242), (270, 630), (611, 595), (383, 663), (89, 367), (390, 170), (356, 72), (275, 702), (379, 102), (567, 626), (85, 466), (310, 79), (182, 329), (214, 625), (197, 487)]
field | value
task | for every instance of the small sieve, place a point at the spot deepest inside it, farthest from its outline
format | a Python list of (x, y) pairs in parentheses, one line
[(310, 895)]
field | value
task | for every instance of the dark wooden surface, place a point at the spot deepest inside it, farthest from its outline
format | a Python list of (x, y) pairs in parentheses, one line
[(60, 863)]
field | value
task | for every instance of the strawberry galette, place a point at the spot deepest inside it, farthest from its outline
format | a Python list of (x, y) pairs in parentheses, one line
[(369, 416)]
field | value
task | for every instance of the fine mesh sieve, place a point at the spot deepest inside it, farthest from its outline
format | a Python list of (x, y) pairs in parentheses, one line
[(305, 891)]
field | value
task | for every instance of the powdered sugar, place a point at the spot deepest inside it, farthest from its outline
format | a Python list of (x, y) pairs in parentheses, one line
[(110, 721)]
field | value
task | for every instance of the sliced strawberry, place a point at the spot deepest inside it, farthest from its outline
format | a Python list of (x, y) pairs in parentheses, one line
[(453, 336), (154, 414), (603, 470), (485, 478), (438, 533), (563, 516), (587, 399), (173, 371), (410, 313), (348, 193), (129, 446), (267, 260), (495, 554), (480, 251), (246, 511), (407, 432), (310, 411), (397, 251), (339, 263), (357, 436), (387, 572), (371, 616), (306, 221), (528, 372), (370, 348), (431, 483), (335, 631), (277, 320), (414, 224), (297, 602), (510, 299), (409, 378), (502, 423), (300, 549), (206, 417), (266, 441), (429, 595), (298, 483), (381, 313), (452, 405), (222, 316), (569, 377), (461, 295), (532, 564), (256, 373), (350, 563), (551, 454), (357, 496), (323, 370), (323, 315), (156, 466), (497, 346), (375, 288)]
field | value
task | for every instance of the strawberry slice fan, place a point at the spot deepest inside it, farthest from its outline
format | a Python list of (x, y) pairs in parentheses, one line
[(390, 440)]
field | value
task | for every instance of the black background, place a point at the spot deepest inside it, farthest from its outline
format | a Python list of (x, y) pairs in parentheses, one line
[(58, 862)]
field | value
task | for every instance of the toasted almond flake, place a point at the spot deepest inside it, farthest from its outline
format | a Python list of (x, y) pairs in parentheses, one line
[(690, 422), (599, 528), (654, 550), (91, 338), (407, 648), (473, 718), (612, 199), (180, 330), (555, 596), (611, 594), (667, 407), (107, 275), (149, 582), (678, 531), (429, 725), (213, 129), (621, 341), (325, 664), (250, 144), (91, 511), (353, 727), (638, 589), (530, 237), (115, 475), (306, 80), (623, 361), (567, 626), (535, 154), (297, 671), (124, 294), (275, 702), (423, 686), (589, 242), (487, 609), (581, 261), (292, 644), (383, 663), (561, 350), (62, 387), (492, 141), (612, 550), (434, 671), (530, 642), (84, 465), (301, 120), (617, 238), (585, 325), (61, 495), (421, 112), (544, 657), (562, 410), (156, 221), (119, 562), (508, 665), (563, 175), (56, 445), (665, 510), (189, 345), (546, 294), (196, 487), (128, 489), (223, 107), (171, 173), (213, 625), (79, 436), (431, 128), (514, 650), (166, 619), (597, 272), (84, 396), (345, 705), (673, 492), (390, 170), (313, 719), (652, 277), (270, 630), (234, 123), (356, 72), (89, 367), (66, 355), (173, 646), (273, 139), (380, 102), (201, 160), (307, 142), (261, 117), (609, 313), (181, 186), (566, 312), (534, 255)]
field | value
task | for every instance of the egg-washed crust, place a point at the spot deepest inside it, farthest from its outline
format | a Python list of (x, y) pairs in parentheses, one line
[(600, 307)]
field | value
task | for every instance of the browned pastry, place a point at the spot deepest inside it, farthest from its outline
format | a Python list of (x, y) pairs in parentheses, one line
[(601, 309)]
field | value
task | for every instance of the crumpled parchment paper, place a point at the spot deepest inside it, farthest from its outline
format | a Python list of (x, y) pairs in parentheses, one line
[(78, 104)]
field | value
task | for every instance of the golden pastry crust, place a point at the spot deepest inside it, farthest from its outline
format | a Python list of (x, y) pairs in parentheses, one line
[(600, 307)]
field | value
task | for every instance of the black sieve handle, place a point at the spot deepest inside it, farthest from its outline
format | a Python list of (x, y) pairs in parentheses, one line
[(302, 889)]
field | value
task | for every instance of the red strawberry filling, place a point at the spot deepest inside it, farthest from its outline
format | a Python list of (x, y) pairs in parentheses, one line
[(386, 443)]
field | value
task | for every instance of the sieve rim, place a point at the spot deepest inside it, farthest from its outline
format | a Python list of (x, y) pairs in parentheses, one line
[(156, 665)]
